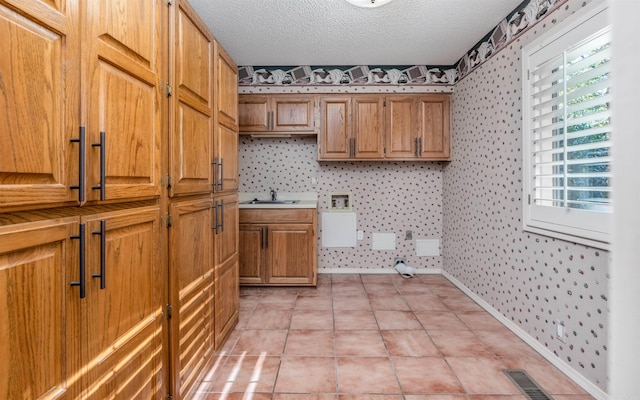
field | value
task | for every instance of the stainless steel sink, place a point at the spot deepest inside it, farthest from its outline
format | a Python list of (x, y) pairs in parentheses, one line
[(256, 201)]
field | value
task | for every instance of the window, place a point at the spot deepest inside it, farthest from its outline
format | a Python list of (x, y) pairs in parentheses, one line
[(567, 129)]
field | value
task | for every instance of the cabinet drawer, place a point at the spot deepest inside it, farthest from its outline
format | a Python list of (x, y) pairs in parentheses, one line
[(280, 215)]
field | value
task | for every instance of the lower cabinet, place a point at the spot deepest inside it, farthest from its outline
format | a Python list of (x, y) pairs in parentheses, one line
[(190, 292), (278, 247), (82, 313)]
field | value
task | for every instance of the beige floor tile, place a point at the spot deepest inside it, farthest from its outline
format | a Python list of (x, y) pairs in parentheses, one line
[(246, 374), (312, 319), (306, 375), (270, 319), (482, 375), (354, 320), (440, 320), (409, 344), (426, 375), (364, 375), (459, 344), (310, 343), (360, 344), (398, 320), (257, 342)]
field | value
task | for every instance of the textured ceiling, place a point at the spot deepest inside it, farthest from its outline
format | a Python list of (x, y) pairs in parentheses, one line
[(334, 32)]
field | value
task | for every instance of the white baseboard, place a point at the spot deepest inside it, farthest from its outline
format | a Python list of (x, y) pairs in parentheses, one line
[(578, 378), (378, 271)]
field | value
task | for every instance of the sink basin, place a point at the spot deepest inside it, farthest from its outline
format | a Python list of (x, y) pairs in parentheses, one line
[(256, 201)]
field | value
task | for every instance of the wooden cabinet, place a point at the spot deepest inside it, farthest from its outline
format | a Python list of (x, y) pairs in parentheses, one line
[(123, 317), (191, 291), (192, 104), (83, 306), (351, 127), (278, 247), (124, 63), (40, 311), (276, 114), (376, 127), (227, 295), (39, 105), (226, 135)]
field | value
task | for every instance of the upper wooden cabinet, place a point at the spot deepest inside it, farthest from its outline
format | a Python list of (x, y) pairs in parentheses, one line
[(191, 104), (351, 127), (376, 127), (39, 103), (225, 160), (124, 66), (275, 114)]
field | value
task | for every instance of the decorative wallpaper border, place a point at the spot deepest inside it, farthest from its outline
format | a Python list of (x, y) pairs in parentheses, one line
[(523, 17)]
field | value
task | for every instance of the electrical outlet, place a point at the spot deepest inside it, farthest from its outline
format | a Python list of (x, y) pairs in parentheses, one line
[(360, 235), (408, 235), (399, 260)]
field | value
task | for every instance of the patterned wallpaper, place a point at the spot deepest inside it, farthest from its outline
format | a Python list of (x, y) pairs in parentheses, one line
[(387, 197), (531, 279)]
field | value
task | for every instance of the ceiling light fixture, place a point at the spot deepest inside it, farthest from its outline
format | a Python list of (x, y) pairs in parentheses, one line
[(368, 3)]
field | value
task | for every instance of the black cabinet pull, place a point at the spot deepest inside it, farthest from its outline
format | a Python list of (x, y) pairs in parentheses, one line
[(81, 165), (82, 281), (221, 179), (101, 186), (215, 173), (215, 221), (222, 215), (103, 257)]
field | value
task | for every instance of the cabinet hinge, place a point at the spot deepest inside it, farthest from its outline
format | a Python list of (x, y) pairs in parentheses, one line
[(169, 3), (384, 150), (169, 181), (384, 103), (529, 198), (169, 90), (168, 220), (169, 311), (169, 397)]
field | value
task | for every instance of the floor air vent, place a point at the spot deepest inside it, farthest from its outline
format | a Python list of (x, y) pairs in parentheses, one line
[(527, 385)]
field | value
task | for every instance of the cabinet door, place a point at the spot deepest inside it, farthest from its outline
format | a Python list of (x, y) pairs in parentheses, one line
[(401, 127), (125, 90), (191, 291), (368, 127), (226, 179), (434, 133), (290, 254), (292, 114), (227, 89), (251, 254), (39, 334), (125, 284), (254, 114), (335, 128), (225, 228), (39, 102), (190, 138), (227, 300)]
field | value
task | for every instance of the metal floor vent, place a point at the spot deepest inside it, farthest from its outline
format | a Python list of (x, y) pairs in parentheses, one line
[(526, 385)]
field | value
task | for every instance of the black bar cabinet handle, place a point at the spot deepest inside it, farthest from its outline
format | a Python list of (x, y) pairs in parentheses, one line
[(221, 180), (82, 281), (101, 186), (103, 256), (81, 165), (215, 173), (222, 214), (215, 222)]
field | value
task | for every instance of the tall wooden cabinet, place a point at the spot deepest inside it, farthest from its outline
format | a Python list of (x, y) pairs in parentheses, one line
[(109, 278)]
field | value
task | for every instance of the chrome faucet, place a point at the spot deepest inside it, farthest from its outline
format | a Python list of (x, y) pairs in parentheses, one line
[(274, 195)]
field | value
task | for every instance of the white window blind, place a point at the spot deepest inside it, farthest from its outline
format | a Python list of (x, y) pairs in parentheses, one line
[(567, 129)]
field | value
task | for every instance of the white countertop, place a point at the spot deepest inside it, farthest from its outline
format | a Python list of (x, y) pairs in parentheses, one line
[(305, 200)]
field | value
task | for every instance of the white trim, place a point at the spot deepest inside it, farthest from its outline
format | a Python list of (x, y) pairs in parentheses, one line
[(367, 271), (578, 378)]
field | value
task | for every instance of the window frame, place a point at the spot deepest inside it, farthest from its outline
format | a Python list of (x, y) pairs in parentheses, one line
[(582, 226)]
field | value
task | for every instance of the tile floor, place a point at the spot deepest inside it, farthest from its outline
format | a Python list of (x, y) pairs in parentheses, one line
[(373, 337)]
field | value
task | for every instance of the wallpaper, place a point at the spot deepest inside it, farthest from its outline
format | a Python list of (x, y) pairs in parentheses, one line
[(531, 279), (388, 197)]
